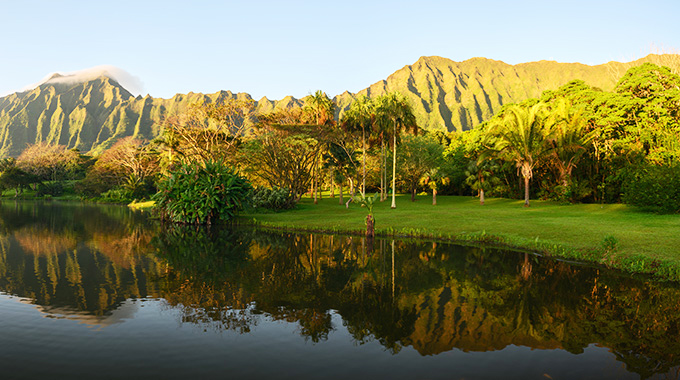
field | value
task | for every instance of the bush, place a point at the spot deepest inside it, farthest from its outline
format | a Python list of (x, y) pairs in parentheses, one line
[(272, 199), (201, 193), (122, 196), (654, 187), (53, 189)]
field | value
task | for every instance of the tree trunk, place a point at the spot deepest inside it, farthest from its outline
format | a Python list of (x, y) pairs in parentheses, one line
[(363, 150), (332, 184), (413, 194), (481, 197), (383, 172), (341, 201), (315, 183), (526, 191), (394, 167), (370, 226), (434, 197)]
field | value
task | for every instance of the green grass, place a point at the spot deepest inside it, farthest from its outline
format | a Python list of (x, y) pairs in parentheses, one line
[(615, 235)]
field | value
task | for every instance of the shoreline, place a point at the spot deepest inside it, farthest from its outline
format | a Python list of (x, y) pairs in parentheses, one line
[(605, 250)]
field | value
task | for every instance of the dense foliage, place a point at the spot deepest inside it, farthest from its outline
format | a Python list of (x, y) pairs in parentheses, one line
[(654, 187), (201, 193), (275, 198)]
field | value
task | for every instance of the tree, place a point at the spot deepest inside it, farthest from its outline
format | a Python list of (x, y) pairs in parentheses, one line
[(13, 177), (568, 140), (432, 179), (368, 202), (419, 154), (519, 135), (47, 162), (130, 163), (360, 117), (481, 176), (283, 152), (208, 131), (319, 110), (395, 109), (340, 158)]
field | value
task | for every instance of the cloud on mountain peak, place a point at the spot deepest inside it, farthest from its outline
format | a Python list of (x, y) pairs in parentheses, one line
[(125, 79)]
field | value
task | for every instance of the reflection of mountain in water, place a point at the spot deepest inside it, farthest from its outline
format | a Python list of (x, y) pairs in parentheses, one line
[(126, 310), (75, 260), (91, 263)]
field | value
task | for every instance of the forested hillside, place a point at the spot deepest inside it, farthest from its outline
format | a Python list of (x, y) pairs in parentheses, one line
[(445, 95)]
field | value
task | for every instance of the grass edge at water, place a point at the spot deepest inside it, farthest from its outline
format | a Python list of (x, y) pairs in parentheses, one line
[(606, 250)]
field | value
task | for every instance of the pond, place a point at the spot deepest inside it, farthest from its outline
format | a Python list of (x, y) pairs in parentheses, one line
[(103, 292)]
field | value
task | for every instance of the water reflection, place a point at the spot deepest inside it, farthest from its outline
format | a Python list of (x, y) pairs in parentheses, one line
[(75, 260), (85, 261)]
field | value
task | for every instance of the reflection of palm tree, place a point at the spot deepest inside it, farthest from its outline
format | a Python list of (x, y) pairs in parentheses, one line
[(525, 271)]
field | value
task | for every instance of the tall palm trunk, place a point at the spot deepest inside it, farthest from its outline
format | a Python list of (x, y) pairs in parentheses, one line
[(314, 182), (383, 173), (363, 150), (526, 191), (434, 197), (481, 192), (394, 166), (341, 200)]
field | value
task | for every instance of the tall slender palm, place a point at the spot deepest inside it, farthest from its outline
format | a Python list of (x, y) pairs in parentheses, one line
[(520, 135), (395, 108), (360, 117), (321, 109)]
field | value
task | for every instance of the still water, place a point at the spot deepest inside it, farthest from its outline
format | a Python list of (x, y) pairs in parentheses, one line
[(103, 292)]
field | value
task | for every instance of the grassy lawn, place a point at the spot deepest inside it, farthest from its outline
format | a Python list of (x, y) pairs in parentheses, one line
[(644, 241)]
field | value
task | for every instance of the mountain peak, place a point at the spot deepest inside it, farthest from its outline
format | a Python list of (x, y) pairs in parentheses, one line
[(117, 75)]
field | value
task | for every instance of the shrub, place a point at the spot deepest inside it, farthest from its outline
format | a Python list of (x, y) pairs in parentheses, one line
[(117, 196), (201, 193), (273, 199), (654, 187), (53, 189)]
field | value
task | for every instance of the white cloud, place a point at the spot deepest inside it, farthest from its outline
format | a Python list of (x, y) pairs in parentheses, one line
[(128, 81)]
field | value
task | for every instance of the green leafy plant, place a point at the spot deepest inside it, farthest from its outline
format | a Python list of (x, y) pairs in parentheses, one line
[(655, 188), (368, 202), (275, 198), (201, 193)]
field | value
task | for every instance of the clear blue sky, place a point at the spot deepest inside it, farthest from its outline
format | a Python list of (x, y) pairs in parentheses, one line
[(278, 48)]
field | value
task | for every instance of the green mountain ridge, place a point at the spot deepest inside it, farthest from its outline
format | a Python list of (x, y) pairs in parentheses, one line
[(446, 95)]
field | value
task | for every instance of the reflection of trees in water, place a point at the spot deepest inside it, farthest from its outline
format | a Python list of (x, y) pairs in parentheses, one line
[(435, 297), (42, 241), (73, 257), (431, 296)]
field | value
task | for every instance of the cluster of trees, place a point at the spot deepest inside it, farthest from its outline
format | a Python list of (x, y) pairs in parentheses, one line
[(576, 144), (579, 143)]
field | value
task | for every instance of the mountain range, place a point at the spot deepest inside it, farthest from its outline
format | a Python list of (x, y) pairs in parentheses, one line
[(91, 115)]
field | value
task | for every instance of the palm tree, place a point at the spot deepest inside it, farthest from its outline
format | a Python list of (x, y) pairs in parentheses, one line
[(480, 176), (394, 107), (321, 109), (568, 139), (360, 116), (520, 136), (432, 179)]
